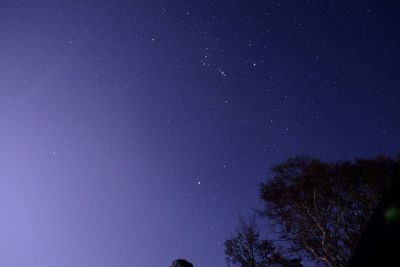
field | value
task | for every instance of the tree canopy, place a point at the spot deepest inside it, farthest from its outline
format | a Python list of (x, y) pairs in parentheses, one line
[(181, 263), (322, 207), (248, 249)]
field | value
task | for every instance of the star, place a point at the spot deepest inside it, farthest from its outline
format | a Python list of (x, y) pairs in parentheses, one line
[(223, 73)]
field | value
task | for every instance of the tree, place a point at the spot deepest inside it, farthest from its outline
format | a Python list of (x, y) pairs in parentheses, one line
[(379, 242), (322, 207), (247, 249), (181, 263)]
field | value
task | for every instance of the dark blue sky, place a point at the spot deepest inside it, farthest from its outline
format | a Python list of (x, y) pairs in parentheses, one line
[(135, 132)]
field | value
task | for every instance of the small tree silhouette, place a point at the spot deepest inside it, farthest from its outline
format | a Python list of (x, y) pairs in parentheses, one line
[(181, 263), (248, 249)]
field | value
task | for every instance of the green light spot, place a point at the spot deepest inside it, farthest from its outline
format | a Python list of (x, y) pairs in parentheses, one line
[(392, 215)]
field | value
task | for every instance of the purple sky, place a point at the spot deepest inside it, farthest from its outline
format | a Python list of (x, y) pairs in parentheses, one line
[(135, 132)]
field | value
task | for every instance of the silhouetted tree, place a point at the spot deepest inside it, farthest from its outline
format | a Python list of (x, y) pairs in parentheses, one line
[(247, 249), (322, 207), (181, 263), (379, 243)]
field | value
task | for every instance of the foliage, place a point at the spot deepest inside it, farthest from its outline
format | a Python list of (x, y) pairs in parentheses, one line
[(322, 207), (247, 249), (181, 263)]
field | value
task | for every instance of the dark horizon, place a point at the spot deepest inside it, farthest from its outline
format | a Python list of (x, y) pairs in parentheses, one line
[(134, 133)]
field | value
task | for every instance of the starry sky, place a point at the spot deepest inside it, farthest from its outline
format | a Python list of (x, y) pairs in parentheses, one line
[(135, 132)]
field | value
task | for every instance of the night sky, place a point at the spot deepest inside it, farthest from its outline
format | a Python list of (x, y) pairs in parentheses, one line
[(133, 133)]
